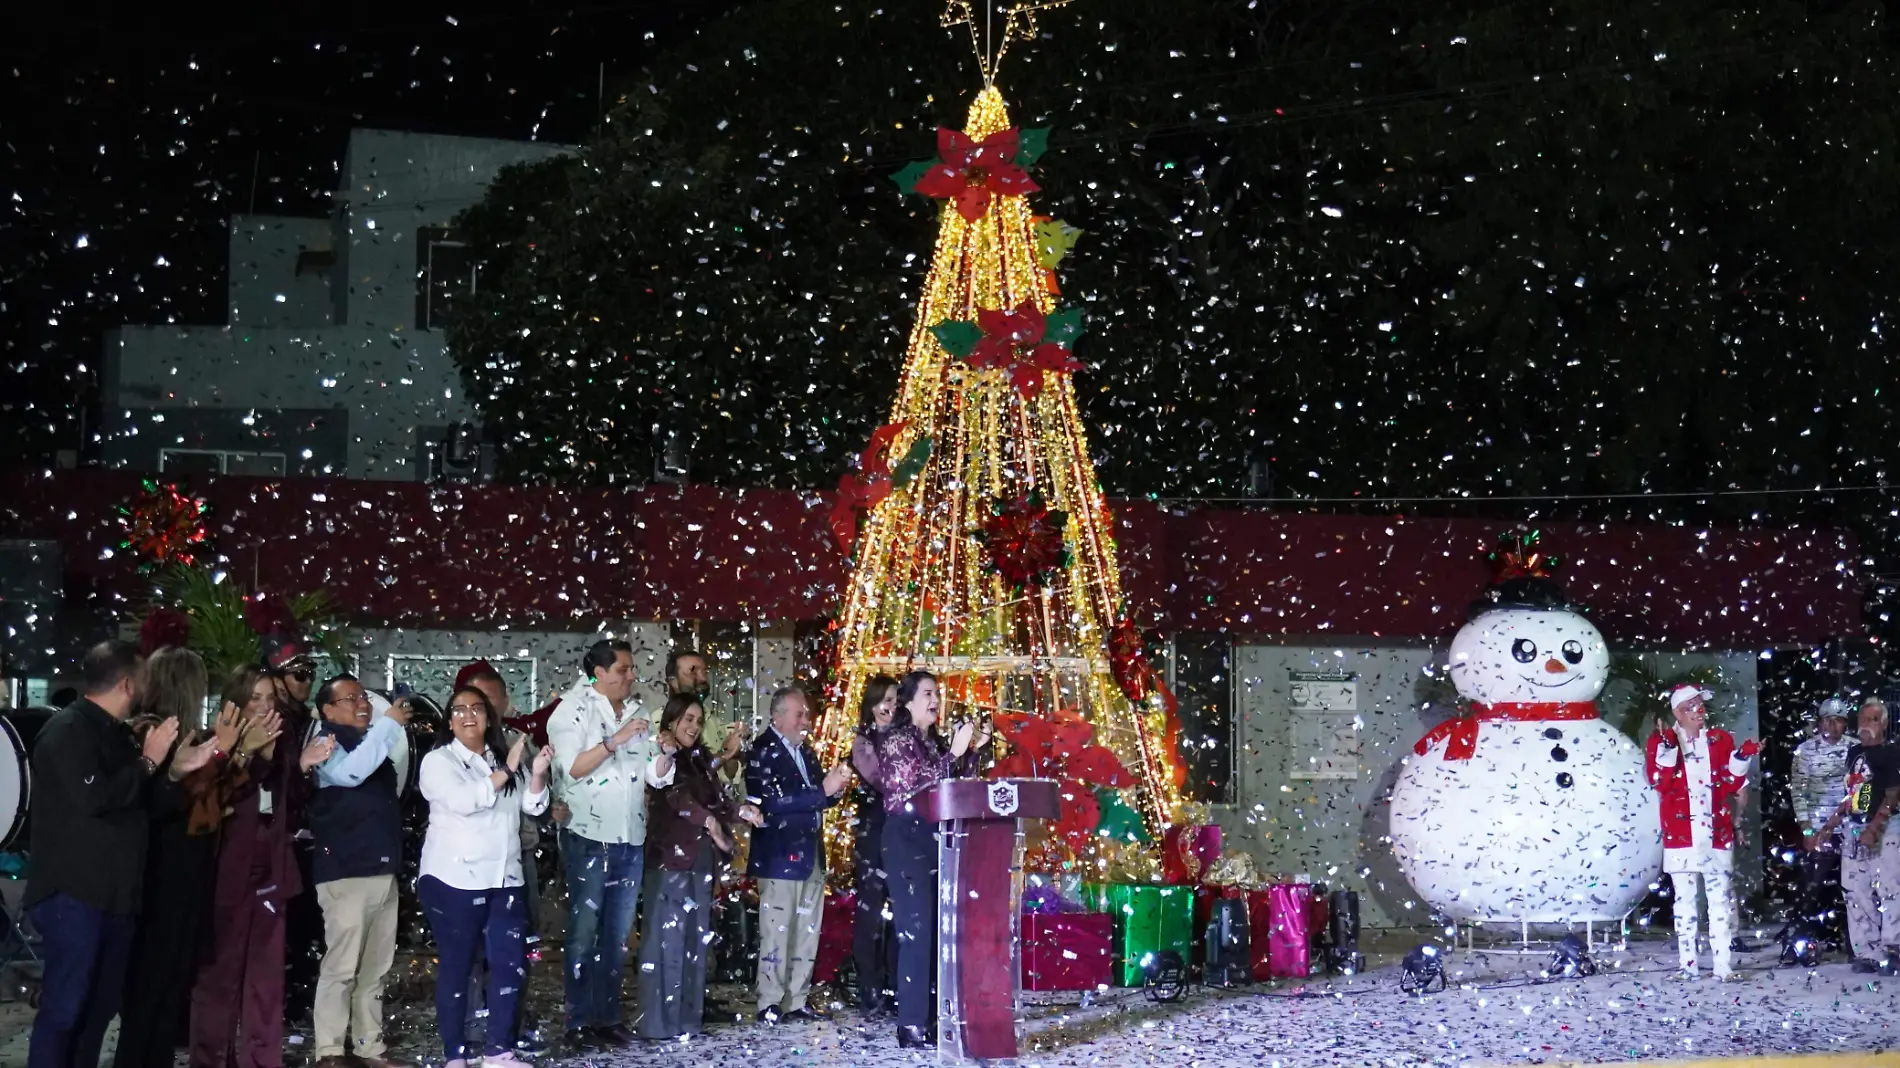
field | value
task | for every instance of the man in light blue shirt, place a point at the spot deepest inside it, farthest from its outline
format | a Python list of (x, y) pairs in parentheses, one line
[(356, 821)]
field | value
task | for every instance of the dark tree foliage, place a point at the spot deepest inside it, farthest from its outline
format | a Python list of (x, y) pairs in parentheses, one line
[(1592, 247)]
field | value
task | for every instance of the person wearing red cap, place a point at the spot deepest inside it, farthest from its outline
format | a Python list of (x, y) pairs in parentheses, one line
[(1700, 773)]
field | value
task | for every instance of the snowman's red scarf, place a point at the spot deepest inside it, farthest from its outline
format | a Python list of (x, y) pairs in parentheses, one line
[(1463, 730)]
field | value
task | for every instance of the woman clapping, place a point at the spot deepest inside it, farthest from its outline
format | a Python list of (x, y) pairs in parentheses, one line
[(471, 879), (687, 819)]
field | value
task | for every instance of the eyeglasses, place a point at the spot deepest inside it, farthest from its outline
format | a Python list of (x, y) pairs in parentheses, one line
[(351, 699), (302, 674), (467, 710)]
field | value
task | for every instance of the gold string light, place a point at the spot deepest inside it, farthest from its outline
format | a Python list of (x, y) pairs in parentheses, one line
[(920, 595)]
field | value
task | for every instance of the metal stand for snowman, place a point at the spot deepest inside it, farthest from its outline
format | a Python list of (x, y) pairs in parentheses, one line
[(1530, 809)]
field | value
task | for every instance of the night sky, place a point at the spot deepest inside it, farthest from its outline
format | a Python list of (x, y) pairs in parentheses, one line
[(133, 132)]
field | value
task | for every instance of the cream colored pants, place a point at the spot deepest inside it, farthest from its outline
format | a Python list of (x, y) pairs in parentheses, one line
[(359, 929), (789, 914), (1870, 880)]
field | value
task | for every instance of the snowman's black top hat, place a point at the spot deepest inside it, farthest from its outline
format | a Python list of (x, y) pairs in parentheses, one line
[(1521, 577)]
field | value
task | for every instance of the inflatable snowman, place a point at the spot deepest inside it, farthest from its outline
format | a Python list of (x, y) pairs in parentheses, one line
[(1530, 808)]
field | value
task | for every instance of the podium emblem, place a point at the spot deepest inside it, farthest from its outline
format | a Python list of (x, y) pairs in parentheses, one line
[(1003, 798)]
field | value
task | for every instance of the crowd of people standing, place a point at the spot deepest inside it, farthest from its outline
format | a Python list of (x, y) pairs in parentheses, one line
[(172, 852)]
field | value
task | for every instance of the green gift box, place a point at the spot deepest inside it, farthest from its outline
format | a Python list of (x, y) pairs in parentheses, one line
[(1147, 919)]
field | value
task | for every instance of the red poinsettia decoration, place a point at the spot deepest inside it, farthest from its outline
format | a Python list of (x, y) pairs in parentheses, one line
[(1025, 541), (163, 629), (1062, 749), (1023, 341), (970, 171), (267, 615), (1519, 555)]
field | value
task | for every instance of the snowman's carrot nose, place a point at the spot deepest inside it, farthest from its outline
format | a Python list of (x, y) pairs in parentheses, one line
[(1555, 666)]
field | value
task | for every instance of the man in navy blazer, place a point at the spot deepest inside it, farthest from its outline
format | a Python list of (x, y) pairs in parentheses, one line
[(784, 780)]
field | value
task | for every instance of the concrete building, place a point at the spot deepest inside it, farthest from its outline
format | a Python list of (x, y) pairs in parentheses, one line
[(332, 359)]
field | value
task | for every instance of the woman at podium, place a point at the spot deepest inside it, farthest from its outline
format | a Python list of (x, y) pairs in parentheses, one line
[(912, 757)]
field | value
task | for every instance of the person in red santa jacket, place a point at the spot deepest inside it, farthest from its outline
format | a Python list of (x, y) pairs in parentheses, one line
[(1700, 773)]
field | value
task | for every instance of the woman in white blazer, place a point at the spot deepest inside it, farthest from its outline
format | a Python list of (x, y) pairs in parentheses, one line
[(471, 883)]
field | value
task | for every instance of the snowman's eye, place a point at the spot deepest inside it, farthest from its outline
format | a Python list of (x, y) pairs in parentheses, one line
[(1573, 651), (1524, 650)]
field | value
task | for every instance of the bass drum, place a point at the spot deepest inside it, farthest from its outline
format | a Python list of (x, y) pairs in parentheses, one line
[(16, 782)]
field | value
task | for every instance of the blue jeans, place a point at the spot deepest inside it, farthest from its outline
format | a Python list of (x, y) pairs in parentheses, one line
[(461, 920), (603, 889), (85, 951)]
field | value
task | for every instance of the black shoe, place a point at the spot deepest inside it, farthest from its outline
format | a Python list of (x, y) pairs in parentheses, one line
[(615, 1036), (1736, 945), (530, 1045), (581, 1040), (1865, 966), (915, 1038), (768, 1016), (806, 1014)]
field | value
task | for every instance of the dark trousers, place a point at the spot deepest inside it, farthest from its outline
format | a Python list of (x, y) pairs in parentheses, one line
[(910, 866), (1820, 902), (179, 876), (85, 950), (460, 920), (241, 986), (873, 947)]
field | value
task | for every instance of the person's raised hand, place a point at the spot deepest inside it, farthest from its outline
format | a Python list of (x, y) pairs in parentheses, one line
[(190, 758), (960, 741), (260, 731), (158, 741), (516, 752), (752, 815), (837, 779), (543, 759), (1668, 733), (228, 728), (400, 710), (317, 752)]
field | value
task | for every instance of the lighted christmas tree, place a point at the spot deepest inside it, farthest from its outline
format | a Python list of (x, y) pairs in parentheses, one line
[(983, 545)]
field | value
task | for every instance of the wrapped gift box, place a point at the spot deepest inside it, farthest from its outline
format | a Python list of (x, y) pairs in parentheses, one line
[(1067, 951), (1280, 926), (834, 936), (1147, 919)]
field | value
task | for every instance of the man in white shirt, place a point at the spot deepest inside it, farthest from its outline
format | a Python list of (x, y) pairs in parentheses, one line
[(601, 748)]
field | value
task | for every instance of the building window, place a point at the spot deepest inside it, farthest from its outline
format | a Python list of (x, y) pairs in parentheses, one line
[(445, 271), (220, 462)]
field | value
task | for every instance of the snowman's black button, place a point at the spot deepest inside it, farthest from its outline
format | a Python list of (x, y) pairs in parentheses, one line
[(1553, 734), (1559, 753), (1564, 780)]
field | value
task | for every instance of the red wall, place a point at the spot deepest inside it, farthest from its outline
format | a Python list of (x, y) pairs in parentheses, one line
[(406, 554)]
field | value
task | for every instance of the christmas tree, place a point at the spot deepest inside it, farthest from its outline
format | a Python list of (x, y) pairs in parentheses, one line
[(983, 545)]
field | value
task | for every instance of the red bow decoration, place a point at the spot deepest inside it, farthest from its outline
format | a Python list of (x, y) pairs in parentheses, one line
[(864, 489), (1138, 679), (1061, 749), (969, 171), (1024, 538), (163, 526), (1518, 556), (1463, 730)]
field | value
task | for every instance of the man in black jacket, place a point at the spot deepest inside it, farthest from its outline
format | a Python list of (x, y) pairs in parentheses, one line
[(94, 790)]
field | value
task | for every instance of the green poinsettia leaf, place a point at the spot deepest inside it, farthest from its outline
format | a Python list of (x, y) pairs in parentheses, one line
[(957, 338), (912, 464), (1031, 144), (907, 178), (1064, 327)]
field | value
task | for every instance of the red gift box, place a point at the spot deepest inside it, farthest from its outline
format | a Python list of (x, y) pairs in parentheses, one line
[(834, 936), (1067, 950)]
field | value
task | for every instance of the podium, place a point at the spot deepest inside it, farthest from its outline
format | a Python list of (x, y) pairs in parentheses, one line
[(979, 909)]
